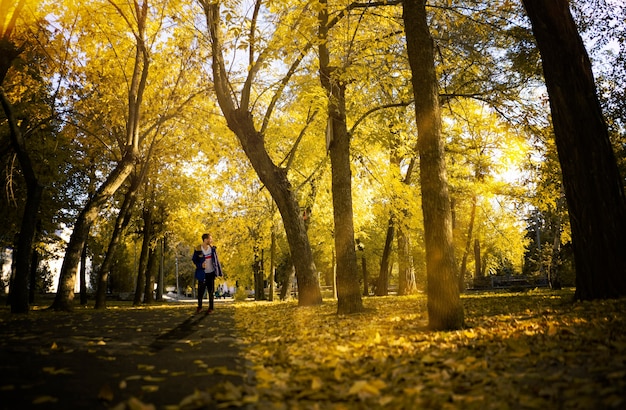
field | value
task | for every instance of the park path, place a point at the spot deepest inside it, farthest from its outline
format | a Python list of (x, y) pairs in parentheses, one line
[(97, 359)]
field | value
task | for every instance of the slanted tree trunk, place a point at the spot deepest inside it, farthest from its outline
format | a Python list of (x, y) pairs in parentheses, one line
[(69, 269), (241, 122), (593, 186), (67, 276), (445, 311)]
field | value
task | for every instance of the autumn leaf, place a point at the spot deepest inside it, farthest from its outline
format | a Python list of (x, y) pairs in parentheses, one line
[(55, 371), (106, 393), (45, 399)]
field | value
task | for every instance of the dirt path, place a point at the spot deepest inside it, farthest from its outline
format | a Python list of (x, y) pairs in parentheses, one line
[(99, 359)]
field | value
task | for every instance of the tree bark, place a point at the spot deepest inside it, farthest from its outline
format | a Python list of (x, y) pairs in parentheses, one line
[(468, 244), (593, 186), (406, 273), (348, 287), (143, 257), (121, 222), (138, 80), (150, 275), (67, 278), (382, 283), (83, 274), (34, 193), (444, 304), (34, 264), (478, 267), (241, 122)]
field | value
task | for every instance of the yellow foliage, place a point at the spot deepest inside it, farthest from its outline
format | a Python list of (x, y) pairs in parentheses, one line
[(512, 347)]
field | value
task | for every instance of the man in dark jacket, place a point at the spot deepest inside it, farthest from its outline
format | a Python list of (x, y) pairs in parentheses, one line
[(207, 269)]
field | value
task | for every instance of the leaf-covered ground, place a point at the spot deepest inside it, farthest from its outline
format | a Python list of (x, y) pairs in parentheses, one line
[(533, 350), (536, 350)]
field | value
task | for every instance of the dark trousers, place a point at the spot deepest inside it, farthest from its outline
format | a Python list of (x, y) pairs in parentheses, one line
[(207, 285)]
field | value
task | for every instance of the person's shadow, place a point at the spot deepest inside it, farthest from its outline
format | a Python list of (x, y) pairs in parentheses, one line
[(179, 332)]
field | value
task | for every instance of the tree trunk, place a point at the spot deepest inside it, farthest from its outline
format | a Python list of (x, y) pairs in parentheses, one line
[(406, 274), (82, 276), (338, 145), (478, 268), (34, 193), (382, 283), (34, 263), (138, 80), (272, 262), (468, 245), (160, 274), (444, 304), (366, 290), (593, 186), (240, 121), (150, 275), (121, 222), (67, 277), (143, 257), (259, 275)]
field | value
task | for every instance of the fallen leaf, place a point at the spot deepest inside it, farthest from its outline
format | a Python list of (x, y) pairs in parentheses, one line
[(45, 399), (106, 393)]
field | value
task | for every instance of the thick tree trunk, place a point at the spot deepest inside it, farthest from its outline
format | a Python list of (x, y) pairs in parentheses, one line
[(348, 288), (444, 304), (277, 183), (240, 121), (138, 80), (593, 186)]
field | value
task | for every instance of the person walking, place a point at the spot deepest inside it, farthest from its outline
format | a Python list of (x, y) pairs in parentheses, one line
[(207, 269)]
